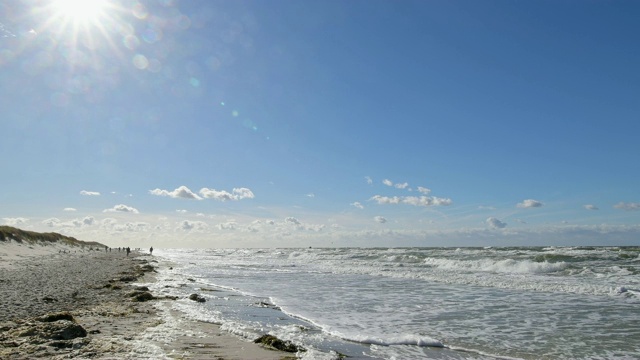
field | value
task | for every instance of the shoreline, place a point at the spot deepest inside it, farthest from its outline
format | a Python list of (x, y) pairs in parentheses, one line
[(92, 305)]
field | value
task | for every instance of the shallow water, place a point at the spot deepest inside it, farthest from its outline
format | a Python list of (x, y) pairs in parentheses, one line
[(412, 303)]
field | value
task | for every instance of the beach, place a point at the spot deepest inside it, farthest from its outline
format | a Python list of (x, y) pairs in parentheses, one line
[(61, 302)]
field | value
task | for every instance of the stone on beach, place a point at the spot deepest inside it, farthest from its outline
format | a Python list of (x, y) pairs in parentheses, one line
[(197, 297)]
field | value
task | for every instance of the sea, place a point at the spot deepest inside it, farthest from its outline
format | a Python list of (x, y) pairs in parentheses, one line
[(418, 303)]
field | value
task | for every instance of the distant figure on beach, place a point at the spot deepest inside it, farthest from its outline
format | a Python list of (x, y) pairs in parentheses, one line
[(128, 251), (151, 251)]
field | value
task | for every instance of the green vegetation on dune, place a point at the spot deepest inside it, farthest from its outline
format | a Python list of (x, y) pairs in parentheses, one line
[(10, 233)]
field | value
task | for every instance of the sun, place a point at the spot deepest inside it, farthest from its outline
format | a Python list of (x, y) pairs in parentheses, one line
[(86, 11)]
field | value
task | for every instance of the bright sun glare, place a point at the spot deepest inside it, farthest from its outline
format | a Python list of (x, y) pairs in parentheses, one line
[(80, 10)]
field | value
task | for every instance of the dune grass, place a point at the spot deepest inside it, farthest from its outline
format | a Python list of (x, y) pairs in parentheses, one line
[(8, 233)]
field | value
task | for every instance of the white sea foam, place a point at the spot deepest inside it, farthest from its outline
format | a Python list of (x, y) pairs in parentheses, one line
[(516, 302), (499, 266)]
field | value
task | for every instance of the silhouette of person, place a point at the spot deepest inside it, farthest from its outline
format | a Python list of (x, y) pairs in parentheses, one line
[(151, 251)]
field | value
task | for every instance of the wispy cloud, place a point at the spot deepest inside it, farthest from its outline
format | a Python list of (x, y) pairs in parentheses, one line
[(369, 180), (182, 192), (424, 190), (591, 207), (401, 186), (69, 209), (411, 200), (529, 203), (495, 223), (73, 223), (89, 193), (627, 206), (122, 208), (380, 219), (357, 204), (387, 182)]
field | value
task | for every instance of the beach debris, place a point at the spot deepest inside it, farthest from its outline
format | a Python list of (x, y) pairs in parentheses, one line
[(274, 342), (197, 297), (264, 304)]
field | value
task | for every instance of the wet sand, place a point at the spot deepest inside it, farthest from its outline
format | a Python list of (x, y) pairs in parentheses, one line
[(87, 304)]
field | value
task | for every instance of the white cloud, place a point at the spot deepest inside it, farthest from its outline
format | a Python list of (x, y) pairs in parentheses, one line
[(52, 222), (187, 225), (15, 221), (243, 193), (311, 195), (182, 211), (314, 227), (134, 227), (357, 204), (380, 219), (122, 208), (591, 207), (529, 203), (89, 193), (229, 225), (494, 223), (369, 180), (69, 209), (292, 220), (387, 182), (412, 200), (401, 186), (384, 200), (424, 190), (221, 195), (182, 192), (215, 194), (627, 206)]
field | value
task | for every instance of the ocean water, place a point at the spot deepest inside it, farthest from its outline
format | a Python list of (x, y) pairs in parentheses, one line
[(419, 303)]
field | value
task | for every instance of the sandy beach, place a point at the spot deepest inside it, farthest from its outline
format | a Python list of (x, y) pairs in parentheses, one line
[(60, 302)]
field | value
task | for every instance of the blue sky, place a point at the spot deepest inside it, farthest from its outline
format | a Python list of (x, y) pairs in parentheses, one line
[(322, 123)]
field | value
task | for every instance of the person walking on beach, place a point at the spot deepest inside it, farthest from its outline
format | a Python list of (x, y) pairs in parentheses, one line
[(128, 251), (151, 251)]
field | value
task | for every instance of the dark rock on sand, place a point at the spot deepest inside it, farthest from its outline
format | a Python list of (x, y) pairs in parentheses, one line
[(49, 299), (128, 278), (56, 316), (196, 297), (141, 296), (274, 342)]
